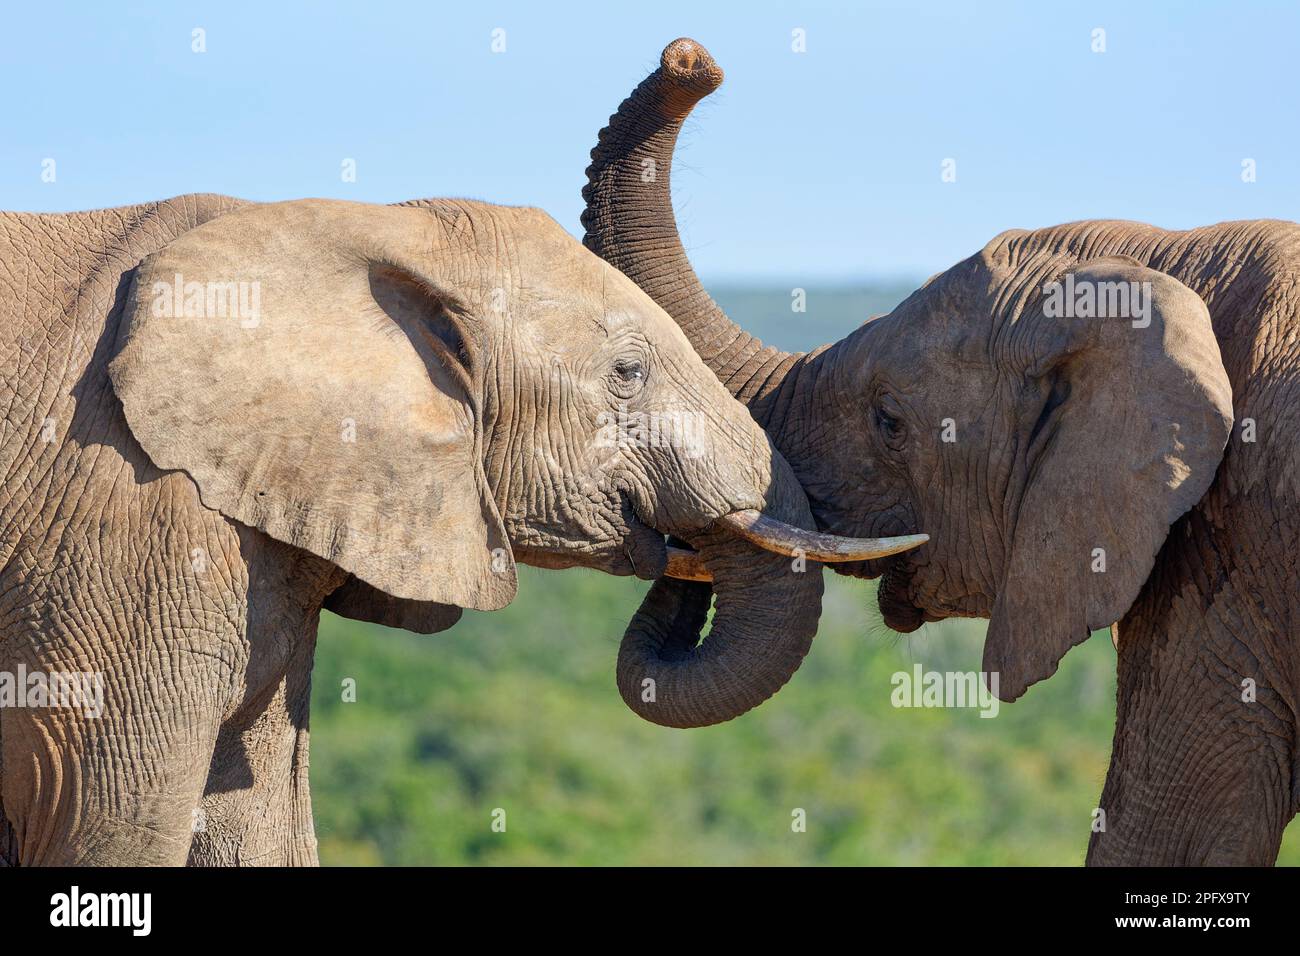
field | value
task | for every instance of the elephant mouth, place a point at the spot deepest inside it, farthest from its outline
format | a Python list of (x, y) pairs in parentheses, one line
[(862, 570), (893, 596)]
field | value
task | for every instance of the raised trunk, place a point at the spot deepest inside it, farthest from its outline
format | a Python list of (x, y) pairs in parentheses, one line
[(766, 611), (630, 223), (766, 615)]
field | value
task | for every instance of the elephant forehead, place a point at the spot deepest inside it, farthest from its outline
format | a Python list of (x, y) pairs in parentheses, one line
[(938, 332), (560, 322)]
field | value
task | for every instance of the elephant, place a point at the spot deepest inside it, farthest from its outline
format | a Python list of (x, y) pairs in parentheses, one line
[(221, 417), (1077, 467)]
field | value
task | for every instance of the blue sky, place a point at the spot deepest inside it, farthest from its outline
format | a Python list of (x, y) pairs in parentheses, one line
[(805, 167)]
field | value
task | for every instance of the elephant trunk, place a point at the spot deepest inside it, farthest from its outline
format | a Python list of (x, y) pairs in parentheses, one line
[(629, 218), (767, 611)]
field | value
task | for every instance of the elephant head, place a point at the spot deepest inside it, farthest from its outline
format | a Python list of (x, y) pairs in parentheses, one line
[(1046, 450), (424, 394)]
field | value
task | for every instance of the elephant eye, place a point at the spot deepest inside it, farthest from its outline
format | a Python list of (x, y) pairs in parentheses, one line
[(889, 421), (631, 371), (886, 422)]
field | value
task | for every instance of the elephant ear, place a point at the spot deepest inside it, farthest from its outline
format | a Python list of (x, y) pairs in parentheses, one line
[(309, 366), (1126, 433), (359, 601)]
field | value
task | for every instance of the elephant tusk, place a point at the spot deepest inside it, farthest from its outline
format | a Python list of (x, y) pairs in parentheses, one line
[(781, 538), (686, 565)]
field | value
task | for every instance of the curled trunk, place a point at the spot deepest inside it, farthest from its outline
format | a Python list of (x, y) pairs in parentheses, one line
[(629, 218), (766, 611), (766, 614)]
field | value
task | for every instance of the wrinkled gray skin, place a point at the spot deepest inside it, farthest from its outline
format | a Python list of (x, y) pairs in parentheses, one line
[(414, 405), (1070, 435)]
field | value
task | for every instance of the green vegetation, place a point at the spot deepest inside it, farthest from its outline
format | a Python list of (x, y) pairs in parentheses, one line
[(517, 710)]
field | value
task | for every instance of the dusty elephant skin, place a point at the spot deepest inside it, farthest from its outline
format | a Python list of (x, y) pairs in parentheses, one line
[(1073, 469), (220, 417)]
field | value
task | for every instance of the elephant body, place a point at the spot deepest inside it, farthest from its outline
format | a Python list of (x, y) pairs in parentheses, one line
[(1073, 472), (227, 695), (372, 409), (1204, 766)]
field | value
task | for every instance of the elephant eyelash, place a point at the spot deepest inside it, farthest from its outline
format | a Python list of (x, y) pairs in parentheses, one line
[(630, 370), (889, 420), (626, 377)]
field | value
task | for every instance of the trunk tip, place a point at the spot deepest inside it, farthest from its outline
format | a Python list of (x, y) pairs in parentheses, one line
[(687, 63)]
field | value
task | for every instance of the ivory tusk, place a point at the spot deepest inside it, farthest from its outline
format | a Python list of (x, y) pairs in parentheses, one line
[(781, 538), (777, 536), (686, 565)]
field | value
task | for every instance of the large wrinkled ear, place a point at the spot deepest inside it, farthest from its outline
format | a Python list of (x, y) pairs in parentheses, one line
[(1129, 423), (308, 364), (359, 601)]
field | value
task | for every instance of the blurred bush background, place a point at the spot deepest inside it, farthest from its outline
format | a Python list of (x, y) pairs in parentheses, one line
[(518, 710)]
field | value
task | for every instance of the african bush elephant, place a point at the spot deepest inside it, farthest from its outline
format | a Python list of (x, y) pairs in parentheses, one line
[(1073, 472), (220, 417)]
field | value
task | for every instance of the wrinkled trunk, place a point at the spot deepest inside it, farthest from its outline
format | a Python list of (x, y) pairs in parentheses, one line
[(630, 223), (766, 615), (766, 612)]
